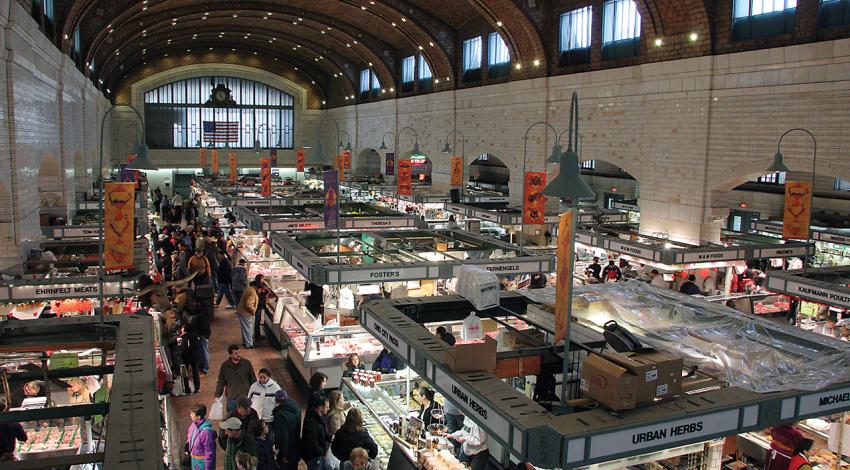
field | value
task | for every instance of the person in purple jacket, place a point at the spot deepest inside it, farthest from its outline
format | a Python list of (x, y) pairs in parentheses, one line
[(200, 440)]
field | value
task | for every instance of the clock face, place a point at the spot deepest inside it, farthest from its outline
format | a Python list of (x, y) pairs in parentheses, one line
[(221, 95)]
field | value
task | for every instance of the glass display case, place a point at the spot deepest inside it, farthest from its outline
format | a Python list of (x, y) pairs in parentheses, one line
[(314, 347)]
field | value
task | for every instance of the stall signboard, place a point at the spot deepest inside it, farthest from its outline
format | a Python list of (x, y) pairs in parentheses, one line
[(625, 206), (202, 157), (798, 210), (535, 201), (273, 155), (781, 252), (507, 267), (346, 159), (483, 414), (564, 270), (457, 171), (299, 160), (76, 232), (331, 210), (833, 238), (233, 168), (772, 228), (663, 435), (396, 344), (214, 160), (266, 177), (390, 164), (644, 253), (381, 275), (386, 222), (817, 293), (708, 256), (118, 221), (823, 403), (294, 225), (60, 291), (405, 178), (584, 238)]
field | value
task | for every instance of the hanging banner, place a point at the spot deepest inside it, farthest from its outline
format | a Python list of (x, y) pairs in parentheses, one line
[(338, 164), (131, 157), (266, 177), (346, 159), (119, 209), (457, 171), (798, 210), (273, 153), (535, 201), (214, 159), (299, 160), (234, 171), (331, 211), (405, 178), (390, 164), (564, 273), (202, 157)]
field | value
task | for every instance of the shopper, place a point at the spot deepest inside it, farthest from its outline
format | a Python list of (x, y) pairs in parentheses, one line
[(263, 293), (358, 460), (177, 204), (232, 440), (191, 354), (446, 336), (285, 426), (200, 267), (385, 362), (224, 276), (611, 273), (473, 445), (454, 417), (262, 395), (10, 433), (314, 434), (265, 447), (200, 440), (246, 461), (246, 309), (200, 323), (595, 269), (234, 377), (658, 280), (245, 414), (352, 434), (538, 281), (318, 381), (239, 280), (352, 364), (427, 406), (336, 415), (690, 287)]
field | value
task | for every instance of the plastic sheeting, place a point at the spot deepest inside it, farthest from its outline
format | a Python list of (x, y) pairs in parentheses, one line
[(752, 353)]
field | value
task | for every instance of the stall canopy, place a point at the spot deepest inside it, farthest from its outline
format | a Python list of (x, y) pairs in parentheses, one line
[(77, 287), (823, 234), (401, 256), (434, 196), (249, 195), (505, 215), (353, 216), (828, 286)]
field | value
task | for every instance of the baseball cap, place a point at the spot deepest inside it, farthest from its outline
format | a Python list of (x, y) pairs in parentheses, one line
[(231, 424), (281, 395)]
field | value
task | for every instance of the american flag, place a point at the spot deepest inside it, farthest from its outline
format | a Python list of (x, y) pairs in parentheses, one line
[(221, 131)]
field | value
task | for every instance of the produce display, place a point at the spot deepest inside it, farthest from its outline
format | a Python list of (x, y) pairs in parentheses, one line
[(49, 439)]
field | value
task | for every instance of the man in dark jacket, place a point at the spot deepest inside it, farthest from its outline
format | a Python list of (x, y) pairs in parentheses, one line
[(314, 434), (690, 287), (245, 414), (239, 280), (224, 275), (234, 377), (286, 419)]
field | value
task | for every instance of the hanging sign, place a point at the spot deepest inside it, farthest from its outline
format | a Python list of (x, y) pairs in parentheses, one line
[(405, 178), (489, 418), (396, 344), (564, 271), (299, 160), (535, 201), (798, 210), (824, 402), (390, 164), (85, 290), (202, 157), (233, 169), (266, 177), (346, 159), (118, 219), (273, 154), (214, 159), (457, 171), (331, 212)]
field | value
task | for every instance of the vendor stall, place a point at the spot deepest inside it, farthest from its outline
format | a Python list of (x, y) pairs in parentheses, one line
[(34, 296), (80, 255), (824, 295), (832, 245), (352, 216), (249, 195)]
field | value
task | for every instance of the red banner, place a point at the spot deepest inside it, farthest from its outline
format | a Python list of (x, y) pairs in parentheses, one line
[(457, 171), (299, 160), (214, 158), (564, 272), (535, 201), (346, 159), (798, 210), (266, 177), (405, 178), (119, 211), (131, 157), (234, 171), (202, 157)]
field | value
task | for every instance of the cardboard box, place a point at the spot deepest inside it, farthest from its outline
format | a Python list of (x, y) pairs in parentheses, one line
[(608, 383), (659, 374), (472, 356)]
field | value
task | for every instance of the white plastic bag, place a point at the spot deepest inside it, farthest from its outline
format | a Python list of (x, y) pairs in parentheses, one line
[(472, 328), (177, 389), (216, 412)]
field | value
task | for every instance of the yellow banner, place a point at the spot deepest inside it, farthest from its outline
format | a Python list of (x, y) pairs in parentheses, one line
[(564, 272), (119, 211), (457, 171), (214, 158), (798, 210), (202, 157), (233, 169)]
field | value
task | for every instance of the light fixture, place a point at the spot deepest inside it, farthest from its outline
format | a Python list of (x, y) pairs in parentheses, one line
[(142, 161), (257, 147), (499, 23), (568, 183), (658, 42), (778, 164), (518, 66), (693, 37), (447, 149), (536, 63), (743, 205)]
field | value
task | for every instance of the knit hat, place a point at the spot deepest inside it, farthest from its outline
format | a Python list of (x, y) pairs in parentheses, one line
[(281, 395)]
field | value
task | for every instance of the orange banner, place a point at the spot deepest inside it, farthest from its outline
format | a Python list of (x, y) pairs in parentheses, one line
[(798, 210), (214, 158), (119, 209), (266, 177), (405, 178), (234, 171), (338, 164), (299, 160), (535, 201), (202, 157), (346, 159), (457, 171), (564, 273)]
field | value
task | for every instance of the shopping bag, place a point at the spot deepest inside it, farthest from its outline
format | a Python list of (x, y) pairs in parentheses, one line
[(216, 412), (472, 328), (177, 389)]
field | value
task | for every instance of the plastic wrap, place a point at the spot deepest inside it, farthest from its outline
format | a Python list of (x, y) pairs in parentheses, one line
[(479, 286), (752, 353)]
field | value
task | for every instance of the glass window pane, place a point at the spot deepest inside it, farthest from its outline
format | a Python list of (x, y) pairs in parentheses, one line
[(620, 21), (575, 29), (364, 80), (497, 50), (407, 68), (424, 68), (472, 54)]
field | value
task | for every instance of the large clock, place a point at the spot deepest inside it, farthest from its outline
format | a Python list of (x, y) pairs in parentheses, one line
[(220, 96)]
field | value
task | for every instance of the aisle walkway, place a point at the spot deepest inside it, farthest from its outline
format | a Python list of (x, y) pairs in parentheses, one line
[(225, 331)]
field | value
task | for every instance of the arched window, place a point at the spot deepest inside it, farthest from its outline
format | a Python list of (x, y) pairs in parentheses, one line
[(218, 111)]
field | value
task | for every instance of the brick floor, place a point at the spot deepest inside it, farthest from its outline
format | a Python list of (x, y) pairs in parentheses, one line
[(225, 331)]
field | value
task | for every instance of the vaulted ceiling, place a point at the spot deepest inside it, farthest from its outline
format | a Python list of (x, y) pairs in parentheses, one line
[(323, 44)]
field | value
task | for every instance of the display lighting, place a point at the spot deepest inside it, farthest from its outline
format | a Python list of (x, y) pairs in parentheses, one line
[(499, 24), (693, 37), (518, 66), (613, 190), (658, 42), (536, 63), (743, 205)]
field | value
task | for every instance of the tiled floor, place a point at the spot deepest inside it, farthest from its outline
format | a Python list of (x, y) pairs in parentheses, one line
[(225, 331)]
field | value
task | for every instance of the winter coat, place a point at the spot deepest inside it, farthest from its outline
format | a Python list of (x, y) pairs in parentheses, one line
[(236, 377), (199, 265), (265, 455), (266, 398), (231, 447), (239, 279), (385, 363), (345, 441), (248, 303), (335, 419), (224, 271), (287, 419), (247, 420), (314, 436), (200, 441)]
